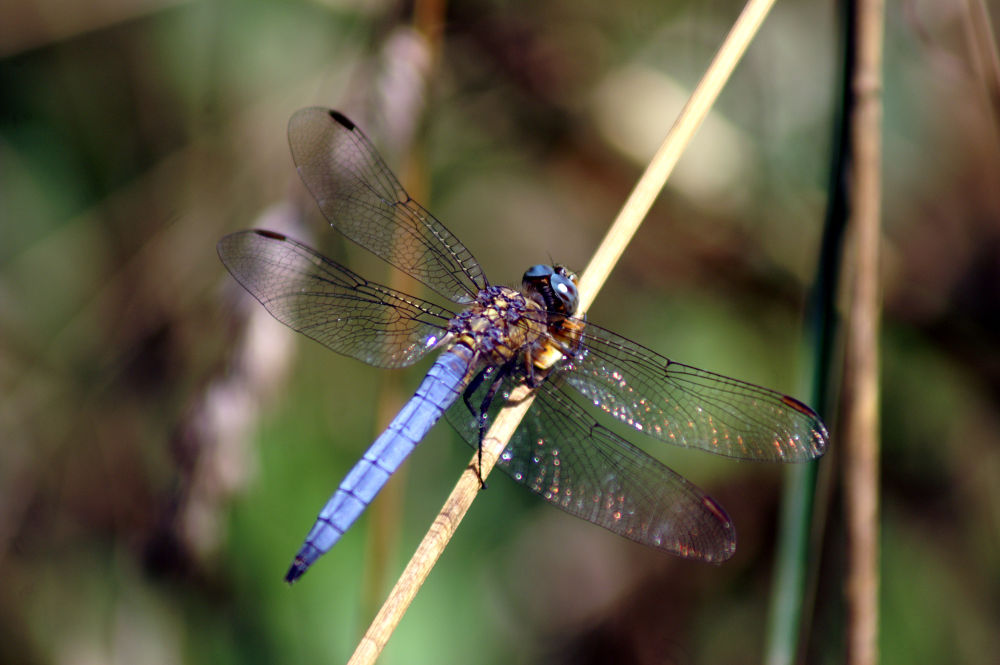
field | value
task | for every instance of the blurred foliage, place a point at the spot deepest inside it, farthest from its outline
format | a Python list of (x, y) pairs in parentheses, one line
[(165, 445)]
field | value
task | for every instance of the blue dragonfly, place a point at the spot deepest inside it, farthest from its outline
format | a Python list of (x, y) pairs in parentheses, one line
[(493, 339)]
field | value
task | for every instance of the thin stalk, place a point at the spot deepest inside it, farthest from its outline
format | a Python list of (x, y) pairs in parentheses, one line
[(428, 19), (633, 212), (794, 566), (861, 370), (984, 55)]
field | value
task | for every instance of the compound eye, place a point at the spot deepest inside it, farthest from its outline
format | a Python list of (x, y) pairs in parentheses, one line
[(540, 271), (565, 291), (555, 287)]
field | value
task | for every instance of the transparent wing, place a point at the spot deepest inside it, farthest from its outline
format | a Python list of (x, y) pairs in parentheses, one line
[(329, 303), (560, 453), (362, 199), (690, 407)]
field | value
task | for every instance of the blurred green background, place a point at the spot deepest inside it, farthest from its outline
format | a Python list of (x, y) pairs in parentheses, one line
[(164, 445)]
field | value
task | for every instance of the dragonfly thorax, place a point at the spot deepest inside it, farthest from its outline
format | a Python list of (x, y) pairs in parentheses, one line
[(499, 324)]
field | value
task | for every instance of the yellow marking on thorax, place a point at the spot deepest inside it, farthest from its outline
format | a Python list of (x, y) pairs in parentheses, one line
[(565, 335)]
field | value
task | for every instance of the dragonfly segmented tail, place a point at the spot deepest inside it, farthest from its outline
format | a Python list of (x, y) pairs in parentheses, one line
[(439, 389)]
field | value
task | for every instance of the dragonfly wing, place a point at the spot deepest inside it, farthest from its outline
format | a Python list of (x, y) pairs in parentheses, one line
[(329, 303), (560, 453), (690, 407), (362, 199)]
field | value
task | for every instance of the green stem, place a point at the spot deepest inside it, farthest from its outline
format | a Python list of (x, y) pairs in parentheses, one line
[(788, 616)]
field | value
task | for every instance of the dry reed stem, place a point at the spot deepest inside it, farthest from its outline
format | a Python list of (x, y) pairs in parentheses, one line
[(984, 55), (607, 254), (419, 67), (861, 400)]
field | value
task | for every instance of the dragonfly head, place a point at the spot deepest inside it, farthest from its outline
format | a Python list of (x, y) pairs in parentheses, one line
[(554, 286)]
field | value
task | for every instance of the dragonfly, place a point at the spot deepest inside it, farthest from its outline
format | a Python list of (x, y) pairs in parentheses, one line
[(493, 339)]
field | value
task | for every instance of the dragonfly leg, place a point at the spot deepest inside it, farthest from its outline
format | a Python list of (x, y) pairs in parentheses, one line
[(474, 384), (533, 380), (495, 375), (480, 413)]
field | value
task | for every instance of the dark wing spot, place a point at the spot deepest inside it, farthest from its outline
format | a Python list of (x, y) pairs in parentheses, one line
[(342, 119), (718, 511), (798, 406)]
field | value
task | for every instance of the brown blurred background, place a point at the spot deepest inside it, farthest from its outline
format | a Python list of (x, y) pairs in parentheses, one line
[(164, 445)]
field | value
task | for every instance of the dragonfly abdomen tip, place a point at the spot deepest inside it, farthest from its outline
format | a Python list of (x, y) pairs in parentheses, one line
[(296, 570)]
